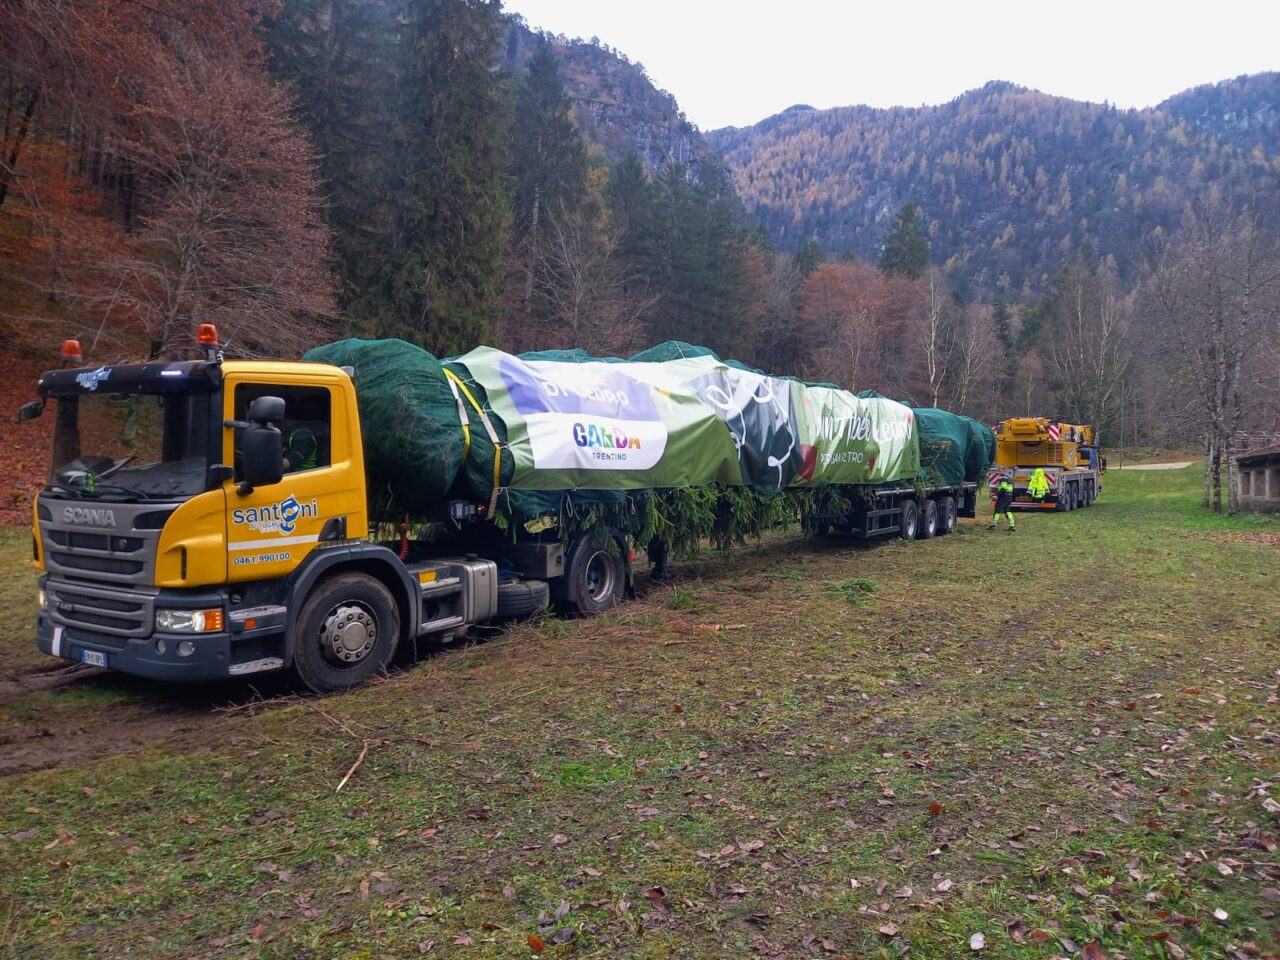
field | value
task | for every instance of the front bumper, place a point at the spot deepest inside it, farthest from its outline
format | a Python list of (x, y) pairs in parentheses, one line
[(139, 655), (252, 643)]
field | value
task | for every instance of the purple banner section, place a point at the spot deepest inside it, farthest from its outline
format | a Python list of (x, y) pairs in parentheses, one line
[(588, 389)]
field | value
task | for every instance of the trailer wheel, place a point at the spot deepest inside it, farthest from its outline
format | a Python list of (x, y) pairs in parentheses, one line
[(519, 599), (909, 521), (594, 576), (347, 631), (928, 520), (946, 515)]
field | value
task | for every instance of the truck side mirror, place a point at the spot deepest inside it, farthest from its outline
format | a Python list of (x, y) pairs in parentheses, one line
[(263, 454), (31, 410)]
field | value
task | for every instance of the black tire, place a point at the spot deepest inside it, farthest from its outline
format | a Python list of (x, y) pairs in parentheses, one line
[(347, 631), (946, 515), (595, 576), (928, 521), (909, 521), (1075, 497), (520, 599)]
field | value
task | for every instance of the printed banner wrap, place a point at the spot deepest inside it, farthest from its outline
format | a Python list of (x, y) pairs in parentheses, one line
[(853, 439), (685, 422)]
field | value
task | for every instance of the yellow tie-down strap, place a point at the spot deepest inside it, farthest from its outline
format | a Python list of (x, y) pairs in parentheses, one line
[(457, 383)]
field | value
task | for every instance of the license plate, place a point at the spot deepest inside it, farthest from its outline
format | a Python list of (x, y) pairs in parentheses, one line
[(93, 657)]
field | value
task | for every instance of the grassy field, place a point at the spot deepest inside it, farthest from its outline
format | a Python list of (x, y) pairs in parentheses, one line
[(1061, 742)]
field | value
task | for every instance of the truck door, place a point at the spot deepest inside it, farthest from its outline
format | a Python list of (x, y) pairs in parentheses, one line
[(271, 529)]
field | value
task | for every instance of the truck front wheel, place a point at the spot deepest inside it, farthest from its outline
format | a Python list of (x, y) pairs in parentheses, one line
[(347, 631)]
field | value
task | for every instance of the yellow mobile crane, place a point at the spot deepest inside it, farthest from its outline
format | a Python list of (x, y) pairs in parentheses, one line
[(1067, 454)]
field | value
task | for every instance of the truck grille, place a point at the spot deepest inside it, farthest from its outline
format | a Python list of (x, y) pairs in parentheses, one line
[(117, 546), (126, 613)]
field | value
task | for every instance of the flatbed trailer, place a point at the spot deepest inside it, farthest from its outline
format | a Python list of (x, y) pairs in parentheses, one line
[(910, 512)]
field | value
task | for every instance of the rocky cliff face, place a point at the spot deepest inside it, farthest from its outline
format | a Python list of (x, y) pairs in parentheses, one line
[(614, 101)]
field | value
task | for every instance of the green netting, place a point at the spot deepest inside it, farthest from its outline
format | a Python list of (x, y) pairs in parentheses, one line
[(982, 449), (413, 441), (947, 451)]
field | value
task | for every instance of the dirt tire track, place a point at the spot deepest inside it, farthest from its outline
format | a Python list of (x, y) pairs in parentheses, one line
[(60, 731)]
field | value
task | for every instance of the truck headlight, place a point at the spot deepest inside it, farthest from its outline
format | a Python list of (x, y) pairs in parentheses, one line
[(188, 621)]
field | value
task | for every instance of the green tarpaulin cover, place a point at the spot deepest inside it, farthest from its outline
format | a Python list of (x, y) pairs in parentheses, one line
[(675, 415)]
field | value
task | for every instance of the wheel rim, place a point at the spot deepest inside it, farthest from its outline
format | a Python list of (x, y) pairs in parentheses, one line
[(600, 576), (348, 633), (913, 523)]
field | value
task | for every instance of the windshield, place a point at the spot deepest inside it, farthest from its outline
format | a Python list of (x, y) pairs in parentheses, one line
[(131, 446)]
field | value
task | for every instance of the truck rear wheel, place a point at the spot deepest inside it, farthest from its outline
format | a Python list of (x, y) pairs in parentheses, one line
[(908, 522), (946, 515), (928, 520), (595, 576), (347, 631)]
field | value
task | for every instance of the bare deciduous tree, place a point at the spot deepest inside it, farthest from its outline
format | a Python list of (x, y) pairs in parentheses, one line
[(1084, 343), (1212, 292)]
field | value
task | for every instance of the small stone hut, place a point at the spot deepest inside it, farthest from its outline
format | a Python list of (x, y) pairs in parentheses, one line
[(1258, 472)]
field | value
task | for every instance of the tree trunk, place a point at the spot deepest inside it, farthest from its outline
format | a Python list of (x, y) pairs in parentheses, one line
[(1216, 500), (1208, 467), (23, 127)]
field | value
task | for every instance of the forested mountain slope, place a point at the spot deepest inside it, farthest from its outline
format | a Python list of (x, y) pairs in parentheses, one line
[(1010, 181)]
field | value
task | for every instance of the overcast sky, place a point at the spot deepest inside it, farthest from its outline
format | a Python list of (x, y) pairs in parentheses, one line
[(738, 62)]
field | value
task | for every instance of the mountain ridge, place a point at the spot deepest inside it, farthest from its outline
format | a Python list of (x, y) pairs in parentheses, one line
[(1010, 180)]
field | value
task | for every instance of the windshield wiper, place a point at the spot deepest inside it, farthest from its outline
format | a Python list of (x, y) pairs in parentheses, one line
[(65, 490), (98, 487)]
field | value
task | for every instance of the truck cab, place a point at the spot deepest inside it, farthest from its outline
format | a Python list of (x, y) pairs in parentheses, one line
[(205, 519)]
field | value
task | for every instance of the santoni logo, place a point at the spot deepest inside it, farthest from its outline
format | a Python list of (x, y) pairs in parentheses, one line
[(279, 517)]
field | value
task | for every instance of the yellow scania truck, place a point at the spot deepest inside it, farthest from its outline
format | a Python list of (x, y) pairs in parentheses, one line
[(1071, 463)]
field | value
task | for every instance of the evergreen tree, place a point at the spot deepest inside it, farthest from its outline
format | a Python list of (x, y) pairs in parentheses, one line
[(1002, 316), (454, 208), (906, 251), (548, 154), (632, 209), (338, 57), (808, 257)]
